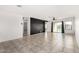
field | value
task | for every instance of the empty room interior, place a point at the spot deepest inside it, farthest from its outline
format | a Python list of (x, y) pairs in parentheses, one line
[(39, 28)]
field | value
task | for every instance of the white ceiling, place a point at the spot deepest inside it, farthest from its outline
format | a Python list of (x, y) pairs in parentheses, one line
[(43, 11)]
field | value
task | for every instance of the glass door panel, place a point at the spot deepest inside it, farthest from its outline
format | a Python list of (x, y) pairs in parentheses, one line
[(57, 27)]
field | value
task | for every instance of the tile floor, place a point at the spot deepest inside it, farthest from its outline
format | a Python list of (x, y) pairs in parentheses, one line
[(41, 43)]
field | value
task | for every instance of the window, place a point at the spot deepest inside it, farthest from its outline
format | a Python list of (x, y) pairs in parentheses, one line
[(68, 25)]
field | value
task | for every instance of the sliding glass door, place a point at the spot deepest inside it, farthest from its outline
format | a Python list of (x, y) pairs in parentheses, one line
[(57, 27)]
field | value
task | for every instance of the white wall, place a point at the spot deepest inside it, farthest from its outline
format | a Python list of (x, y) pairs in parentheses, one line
[(10, 26), (77, 30)]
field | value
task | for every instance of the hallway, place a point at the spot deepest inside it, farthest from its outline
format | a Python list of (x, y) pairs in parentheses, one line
[(41, 43)]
